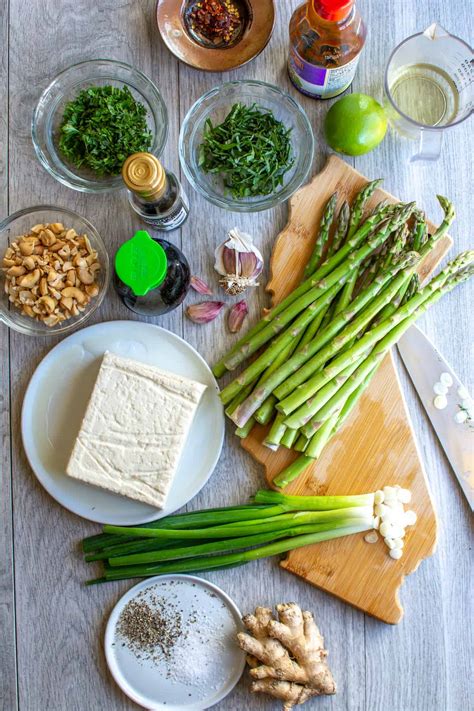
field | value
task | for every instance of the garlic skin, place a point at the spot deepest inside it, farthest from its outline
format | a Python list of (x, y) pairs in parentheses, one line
[(204, 312), (236, 316), (238, 262)]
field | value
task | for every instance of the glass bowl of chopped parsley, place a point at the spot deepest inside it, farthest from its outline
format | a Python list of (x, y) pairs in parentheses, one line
[(91, 118), (246, 146)]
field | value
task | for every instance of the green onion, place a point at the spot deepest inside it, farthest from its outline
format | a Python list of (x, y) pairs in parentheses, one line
[(213, 562)]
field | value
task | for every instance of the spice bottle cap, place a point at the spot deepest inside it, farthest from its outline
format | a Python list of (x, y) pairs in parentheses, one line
[(141, 263), (143, 174), (332, 10)]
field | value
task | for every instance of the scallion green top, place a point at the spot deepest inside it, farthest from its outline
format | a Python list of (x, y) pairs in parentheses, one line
[(250, 149)]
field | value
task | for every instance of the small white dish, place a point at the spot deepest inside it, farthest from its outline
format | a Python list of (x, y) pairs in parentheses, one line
[(56, 400), (202, 669)]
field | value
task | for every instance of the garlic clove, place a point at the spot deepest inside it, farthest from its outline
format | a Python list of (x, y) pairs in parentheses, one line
[(237, 315), (238, 262), (200, 286), (250, 265), (204, 312)]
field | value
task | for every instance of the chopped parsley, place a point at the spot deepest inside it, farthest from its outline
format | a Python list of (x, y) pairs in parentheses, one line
[(101, 127)]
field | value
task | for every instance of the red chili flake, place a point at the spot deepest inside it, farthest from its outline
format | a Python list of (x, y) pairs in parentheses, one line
[(215, 19)]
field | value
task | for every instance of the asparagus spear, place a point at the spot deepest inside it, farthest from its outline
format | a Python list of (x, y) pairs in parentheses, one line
[(295, 363), (341, 228), (339, 276), (359, 204), (319, 440), (302, 403), (322, 237), (282, 341), (326, 268)]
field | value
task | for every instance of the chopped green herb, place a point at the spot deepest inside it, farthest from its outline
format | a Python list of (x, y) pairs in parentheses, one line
[(250, 149), (101, 127)]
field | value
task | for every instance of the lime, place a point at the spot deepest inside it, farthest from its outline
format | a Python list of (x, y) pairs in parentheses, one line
[(355, 124)]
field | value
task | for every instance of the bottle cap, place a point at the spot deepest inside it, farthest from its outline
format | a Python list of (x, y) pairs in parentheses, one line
[(141, 263), (332, 10), (143, 174)]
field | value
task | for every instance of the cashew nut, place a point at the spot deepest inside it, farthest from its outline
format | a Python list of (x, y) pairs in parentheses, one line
[(30, 279), (48, 238), (16, 271), (92, 289), (50, 273), (43, 286), (48, 303), (74, 293), (85, 276)]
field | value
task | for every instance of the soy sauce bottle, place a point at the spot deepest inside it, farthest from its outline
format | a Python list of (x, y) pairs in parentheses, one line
[(152, 276), (154, 194)]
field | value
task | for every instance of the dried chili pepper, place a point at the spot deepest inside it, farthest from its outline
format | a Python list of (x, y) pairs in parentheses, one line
[(216, 20)]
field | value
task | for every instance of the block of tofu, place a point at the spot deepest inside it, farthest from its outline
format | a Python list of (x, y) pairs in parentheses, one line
[(134, 429)]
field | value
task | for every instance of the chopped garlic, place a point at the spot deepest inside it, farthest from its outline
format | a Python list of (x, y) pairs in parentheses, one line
[(446, 379), (396, 553), (440, 402), (379, 497), (461, 416), (371, 537), (389, 542)]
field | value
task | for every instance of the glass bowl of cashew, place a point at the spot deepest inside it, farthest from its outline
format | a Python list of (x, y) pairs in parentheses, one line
[(54, 270)]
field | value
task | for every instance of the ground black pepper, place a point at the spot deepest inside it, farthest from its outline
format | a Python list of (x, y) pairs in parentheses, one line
[(150, 629)]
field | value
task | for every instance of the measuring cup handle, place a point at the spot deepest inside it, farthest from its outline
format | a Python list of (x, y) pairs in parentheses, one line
[(429, 146)]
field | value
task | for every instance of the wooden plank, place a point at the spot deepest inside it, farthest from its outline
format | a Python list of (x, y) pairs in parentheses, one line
[(60, 621), (433, 635), (62, 664), (8, 676)]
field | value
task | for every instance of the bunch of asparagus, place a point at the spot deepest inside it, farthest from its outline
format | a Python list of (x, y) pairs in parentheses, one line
[(313, 355)]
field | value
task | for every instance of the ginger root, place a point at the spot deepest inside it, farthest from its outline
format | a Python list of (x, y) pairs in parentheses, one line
[(286, 656)]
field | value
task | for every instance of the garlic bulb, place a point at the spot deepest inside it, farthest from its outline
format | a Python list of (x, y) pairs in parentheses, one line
[(238, 262)]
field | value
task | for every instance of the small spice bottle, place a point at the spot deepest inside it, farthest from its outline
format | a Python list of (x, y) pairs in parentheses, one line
[(152, 276), (154, 194), (326, 39)]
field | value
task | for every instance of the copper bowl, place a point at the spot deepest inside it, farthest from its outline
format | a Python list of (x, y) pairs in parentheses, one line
[(258, 20)]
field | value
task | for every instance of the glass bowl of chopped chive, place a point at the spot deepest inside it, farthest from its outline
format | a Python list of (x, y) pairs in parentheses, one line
[(91, 117), (246, 146)]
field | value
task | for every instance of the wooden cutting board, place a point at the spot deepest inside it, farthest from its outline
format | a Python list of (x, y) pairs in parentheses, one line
[(376, 447)]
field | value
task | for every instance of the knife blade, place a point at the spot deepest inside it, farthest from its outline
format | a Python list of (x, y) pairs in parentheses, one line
[(425, 365)]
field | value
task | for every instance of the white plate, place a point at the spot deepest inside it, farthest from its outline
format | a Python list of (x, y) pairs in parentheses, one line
[(56, 400), (202, 672)]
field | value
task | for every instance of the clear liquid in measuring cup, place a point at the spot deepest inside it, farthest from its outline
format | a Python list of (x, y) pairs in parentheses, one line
[(426, 94)]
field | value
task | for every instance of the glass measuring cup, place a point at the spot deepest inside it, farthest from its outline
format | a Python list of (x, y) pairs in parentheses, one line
[(429, 87)]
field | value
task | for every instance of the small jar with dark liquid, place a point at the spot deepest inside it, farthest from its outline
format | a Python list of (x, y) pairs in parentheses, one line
[(154, 194), (152, 276)]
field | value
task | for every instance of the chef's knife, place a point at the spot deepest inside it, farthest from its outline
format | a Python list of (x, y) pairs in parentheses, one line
[(425, 366)]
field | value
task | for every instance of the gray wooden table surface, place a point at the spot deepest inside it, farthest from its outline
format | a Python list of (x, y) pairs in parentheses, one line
[(51, 626)]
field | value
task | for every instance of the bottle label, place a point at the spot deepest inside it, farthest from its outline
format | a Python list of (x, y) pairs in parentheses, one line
[(318, 82), (172, 220)]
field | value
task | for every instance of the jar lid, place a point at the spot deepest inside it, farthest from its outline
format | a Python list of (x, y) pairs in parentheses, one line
[(143, 174), (332, 10), (141, 263)]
